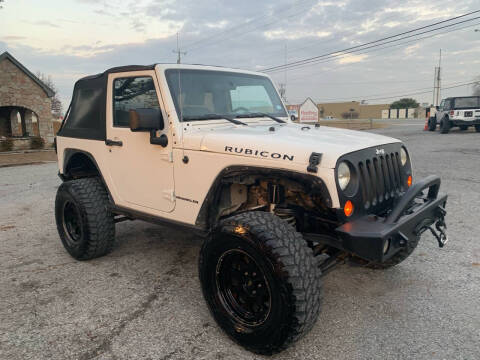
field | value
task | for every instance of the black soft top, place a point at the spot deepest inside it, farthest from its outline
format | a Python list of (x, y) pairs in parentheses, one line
[(86, 115), (457, 105)]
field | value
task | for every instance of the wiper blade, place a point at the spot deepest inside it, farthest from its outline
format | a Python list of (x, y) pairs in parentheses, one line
[(260, 114), (213, 117)]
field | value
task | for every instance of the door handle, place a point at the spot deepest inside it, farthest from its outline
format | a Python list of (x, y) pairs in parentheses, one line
[(113, 142)]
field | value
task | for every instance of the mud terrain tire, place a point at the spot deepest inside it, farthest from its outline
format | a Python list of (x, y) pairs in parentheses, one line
[(84, 221), (432, 124), (287, 270), (444, 125)]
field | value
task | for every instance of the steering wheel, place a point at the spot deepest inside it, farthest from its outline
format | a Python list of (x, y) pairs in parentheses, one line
[(241, 108)]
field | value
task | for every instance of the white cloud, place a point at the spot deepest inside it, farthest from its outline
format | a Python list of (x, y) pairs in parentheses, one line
[(411, 49), (294, 35), (351, 58), (217, 25)]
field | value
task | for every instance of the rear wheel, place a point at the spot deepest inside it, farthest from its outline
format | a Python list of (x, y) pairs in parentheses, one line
[(84, 222), (432, 124), (260, 281), (444, 125), (477, 128)]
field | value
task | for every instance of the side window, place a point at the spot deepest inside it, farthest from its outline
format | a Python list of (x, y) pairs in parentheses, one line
[(130, 94), (446, 106), (442, 104)]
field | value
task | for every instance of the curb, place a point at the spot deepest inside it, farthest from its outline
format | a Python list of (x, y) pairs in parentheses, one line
[(28, 163), (24, 151)]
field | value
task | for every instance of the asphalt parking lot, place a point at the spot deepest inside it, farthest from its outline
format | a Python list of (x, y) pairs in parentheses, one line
[(143, 301)]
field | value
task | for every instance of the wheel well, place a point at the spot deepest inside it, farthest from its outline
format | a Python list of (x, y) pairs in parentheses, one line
[(287, 194), (79, 165)]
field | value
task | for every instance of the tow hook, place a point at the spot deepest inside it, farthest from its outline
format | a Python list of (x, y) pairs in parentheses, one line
[(441, 232)]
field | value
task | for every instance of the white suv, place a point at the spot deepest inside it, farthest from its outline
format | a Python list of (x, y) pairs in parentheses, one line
[(457, 111), (277, 204)]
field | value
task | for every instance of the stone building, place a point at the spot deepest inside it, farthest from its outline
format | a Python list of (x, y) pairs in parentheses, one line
[(25, 104)]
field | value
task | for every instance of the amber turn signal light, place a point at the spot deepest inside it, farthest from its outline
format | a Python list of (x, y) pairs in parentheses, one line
[(409, 180), (348, 208)]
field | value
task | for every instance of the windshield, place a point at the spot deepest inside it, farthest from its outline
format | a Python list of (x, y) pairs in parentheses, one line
[(467, 102), (198, 93)]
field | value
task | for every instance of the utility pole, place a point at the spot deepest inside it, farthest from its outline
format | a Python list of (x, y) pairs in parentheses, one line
[(179, 53), (437, 81), (439, 77)]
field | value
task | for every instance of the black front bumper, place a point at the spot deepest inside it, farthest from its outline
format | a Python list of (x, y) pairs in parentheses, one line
[(369, 236)]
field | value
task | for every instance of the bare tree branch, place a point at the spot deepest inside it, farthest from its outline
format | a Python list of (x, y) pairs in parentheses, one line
[(476, 87), (57, 108)]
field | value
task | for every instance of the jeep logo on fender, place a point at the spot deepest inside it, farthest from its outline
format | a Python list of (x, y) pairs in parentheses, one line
[(380, 151), (265, 154)]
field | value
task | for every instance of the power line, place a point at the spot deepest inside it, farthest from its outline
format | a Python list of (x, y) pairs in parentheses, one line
[(321, 42), (397, 96), (338, 54), (382, 48), (382, 41), (201, 42)]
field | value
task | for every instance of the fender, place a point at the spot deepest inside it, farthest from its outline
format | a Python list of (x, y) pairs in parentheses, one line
[(68, 154), (206, 217)]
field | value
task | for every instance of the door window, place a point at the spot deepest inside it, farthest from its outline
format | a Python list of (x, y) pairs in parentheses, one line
[(132, 93), (442, 104), (446, 106)]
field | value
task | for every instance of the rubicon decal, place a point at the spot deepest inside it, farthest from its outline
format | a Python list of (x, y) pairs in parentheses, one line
[(259, 153)]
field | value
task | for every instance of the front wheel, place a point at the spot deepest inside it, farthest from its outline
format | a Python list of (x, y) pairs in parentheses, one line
[(477, 128), (432, 124), (260, 281)]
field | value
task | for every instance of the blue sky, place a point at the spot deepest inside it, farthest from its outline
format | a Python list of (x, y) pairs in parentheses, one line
[(68, 39)]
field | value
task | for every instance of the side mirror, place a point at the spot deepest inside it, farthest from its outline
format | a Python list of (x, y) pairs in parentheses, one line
[(146, 120)]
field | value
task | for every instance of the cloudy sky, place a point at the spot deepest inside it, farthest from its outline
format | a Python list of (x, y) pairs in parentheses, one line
[(68, 39)]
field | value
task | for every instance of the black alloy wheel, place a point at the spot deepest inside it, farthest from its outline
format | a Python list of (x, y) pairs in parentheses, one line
[(72, 223), (243, 287)]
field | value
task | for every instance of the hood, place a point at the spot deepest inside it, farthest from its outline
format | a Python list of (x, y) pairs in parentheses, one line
[(288, 142)]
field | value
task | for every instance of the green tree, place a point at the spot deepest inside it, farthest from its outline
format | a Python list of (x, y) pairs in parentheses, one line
[(404, 103)]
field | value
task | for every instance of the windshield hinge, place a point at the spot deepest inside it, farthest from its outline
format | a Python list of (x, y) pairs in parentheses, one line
[(313, 162)]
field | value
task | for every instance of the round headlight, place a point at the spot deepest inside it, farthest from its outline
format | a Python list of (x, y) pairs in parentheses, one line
[(403, 156), (343, 174)]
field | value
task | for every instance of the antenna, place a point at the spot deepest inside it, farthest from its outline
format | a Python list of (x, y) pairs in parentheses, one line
[(179, 52), (283, 86)]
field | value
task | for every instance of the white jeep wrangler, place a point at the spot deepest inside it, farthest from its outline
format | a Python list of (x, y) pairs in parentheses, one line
[(463, 111), (277, 203)]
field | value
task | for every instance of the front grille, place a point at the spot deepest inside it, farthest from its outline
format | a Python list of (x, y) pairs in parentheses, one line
[(380, 179)]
